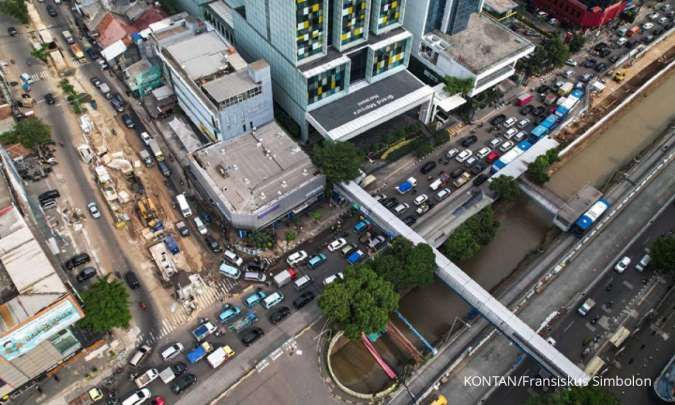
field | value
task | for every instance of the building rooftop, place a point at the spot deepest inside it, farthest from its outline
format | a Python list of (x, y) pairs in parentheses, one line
[(483, 44), (201, 55), (254, 170), (230, 85), (222, 10), (501, 6)]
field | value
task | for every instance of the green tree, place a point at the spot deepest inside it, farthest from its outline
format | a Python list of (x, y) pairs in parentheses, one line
[(662, 252), (360, 303), (291, 235), (538, 170), (577, 43), (506, 188), (339, 161), (261, 239), (106, 306), (461, 245), (455, 85), (40, 53), (406, 266), (588, 395), (30, 133), (16, 9), (423, 148), (557, 51), (466, 241)]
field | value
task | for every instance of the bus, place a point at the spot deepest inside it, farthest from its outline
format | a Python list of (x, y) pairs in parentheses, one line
[(586, 221)]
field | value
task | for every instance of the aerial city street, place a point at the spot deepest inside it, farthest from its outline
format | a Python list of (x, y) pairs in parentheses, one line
[(337, 201)]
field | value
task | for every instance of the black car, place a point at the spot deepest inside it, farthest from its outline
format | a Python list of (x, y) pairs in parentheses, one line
[(480, 179), (11, 31), (539, 111), (132, 280), (497, 120), (614, 58), (49, 195), (255, 266), (390, 202), (303, 299), (77, 260), (526, 110), (49, 99), (477, 168), (183, 382), (251, 335), (51, 10), (118, 102), (543, 89), (279, 315), (457, 172), (600, 67), (469, 140), (85, 274), (179, 368), (409, 220), (91, 53), (126, 119), (600, 46), (590, 63), (213, 244), (427, 167)]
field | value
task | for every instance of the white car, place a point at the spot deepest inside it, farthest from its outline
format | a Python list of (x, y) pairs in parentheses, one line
[(523, 123), (422, 209), (509, 122), (621, 41), (297, 257), (643, 263), (520, 136), (653, 16), (542, 14), (93, 209), (333, 278), (463, 155), (137, 397), (622, 265), (146, 138), (663, 21), (494, 142), (452, 152), (571, 62), (172, 351), (233, 258), (420, 199), (483, 152), (647, 26), (506, 146), (510, 133), (336, 244), (443, 194)]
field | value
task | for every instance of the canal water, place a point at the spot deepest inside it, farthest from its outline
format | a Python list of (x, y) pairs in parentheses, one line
[(435, 309)]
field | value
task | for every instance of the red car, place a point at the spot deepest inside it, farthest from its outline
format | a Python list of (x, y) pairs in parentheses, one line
[(157, 401), (492, 156)]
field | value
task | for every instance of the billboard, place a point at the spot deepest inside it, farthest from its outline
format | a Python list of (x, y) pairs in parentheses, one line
[(37, 330)]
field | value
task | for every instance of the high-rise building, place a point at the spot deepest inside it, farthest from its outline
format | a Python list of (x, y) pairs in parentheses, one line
[(339, 65), (36, 306), (452, 38)]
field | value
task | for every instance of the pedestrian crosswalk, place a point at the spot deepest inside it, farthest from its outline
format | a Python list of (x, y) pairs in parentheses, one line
[(183, 315), (36, 77)]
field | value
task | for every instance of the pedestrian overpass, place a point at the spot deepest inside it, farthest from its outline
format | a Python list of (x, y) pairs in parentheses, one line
[(491, 309)]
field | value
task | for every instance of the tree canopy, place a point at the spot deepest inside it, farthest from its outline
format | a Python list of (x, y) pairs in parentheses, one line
[(557, 51), (588, 395), (577, 43), (16, 9), (406, 266), (106, 306), (538, 170), (362, 302), (506, 188), (339, 161), (466, 241), (455, 85), (662, 252), (29, 132)]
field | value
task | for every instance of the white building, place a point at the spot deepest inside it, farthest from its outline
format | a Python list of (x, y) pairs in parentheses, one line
[(221, 94), (452, 38)]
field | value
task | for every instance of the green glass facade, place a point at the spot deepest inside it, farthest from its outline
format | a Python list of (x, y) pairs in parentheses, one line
[(387, 14), (389, 57), (310, 28), (353, 21), (326, 84)]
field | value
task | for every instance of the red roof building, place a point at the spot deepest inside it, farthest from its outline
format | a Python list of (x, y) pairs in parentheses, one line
[(112, 29), (582, 13)]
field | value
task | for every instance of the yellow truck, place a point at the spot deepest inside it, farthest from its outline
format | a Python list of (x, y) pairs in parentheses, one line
[(619, 76)]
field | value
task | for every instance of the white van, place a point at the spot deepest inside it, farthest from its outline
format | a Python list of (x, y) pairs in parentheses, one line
[(140, 355), (302, 283), (200, 226), (273, 299), (232, 257), (436, 184), (183, 205)]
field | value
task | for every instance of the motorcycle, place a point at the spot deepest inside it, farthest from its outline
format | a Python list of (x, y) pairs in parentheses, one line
[(142, 305)]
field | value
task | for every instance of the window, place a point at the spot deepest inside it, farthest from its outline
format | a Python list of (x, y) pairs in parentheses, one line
[(325, 84)]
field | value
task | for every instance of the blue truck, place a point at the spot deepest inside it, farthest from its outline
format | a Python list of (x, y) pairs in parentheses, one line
[(199, 352), (356, 256), (406, 185), (202, 331)]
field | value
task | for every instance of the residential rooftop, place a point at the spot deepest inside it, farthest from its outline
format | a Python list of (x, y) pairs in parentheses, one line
[(501, 6), (253, 170), (484, 43)]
